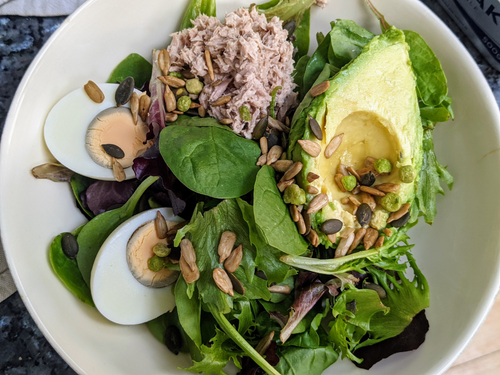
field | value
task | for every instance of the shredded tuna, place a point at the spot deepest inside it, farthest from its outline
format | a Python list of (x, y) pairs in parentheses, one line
[(249, 55)]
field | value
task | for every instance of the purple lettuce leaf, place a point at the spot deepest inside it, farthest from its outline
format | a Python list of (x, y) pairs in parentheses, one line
[(303, 303), (103, 195), (156, 118)]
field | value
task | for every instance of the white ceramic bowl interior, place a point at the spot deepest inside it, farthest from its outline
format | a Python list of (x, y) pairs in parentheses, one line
[(459, 254)]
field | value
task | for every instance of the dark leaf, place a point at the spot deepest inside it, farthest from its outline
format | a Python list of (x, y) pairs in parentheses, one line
[(101, 195)]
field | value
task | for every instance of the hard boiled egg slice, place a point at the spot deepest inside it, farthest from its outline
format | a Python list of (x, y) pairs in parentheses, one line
[(66, 128), (117, 294)]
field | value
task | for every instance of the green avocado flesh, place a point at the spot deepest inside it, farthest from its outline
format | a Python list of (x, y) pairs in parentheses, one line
[(373, 102)]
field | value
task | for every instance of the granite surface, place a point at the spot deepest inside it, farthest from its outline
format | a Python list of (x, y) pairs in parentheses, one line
[(23, 349)]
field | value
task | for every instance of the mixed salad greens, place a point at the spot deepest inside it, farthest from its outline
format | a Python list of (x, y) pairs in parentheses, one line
[(362, 306)]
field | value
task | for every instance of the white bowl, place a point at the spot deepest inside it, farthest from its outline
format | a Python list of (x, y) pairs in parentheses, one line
[(459, 254)]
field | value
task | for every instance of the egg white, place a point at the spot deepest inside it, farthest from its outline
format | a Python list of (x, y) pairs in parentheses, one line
[(118, 296), (66, 127)]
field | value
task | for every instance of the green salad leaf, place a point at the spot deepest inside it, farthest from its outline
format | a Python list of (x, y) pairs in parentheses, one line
[(133, 65), (301, 42), (189, 309), (311, 361), (210, 160), (194, 9), (347, 41), (79, 184)]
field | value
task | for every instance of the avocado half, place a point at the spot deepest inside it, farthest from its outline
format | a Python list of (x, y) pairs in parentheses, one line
[(373, 102)]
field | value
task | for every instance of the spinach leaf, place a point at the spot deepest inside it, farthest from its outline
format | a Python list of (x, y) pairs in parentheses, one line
[(133, 65), (405, 299), (301, 42), (347, 41), (432, 88), (67, 271), (189, 310), (159, 326), (315, 65), (210, 160), (295, 360), (300, 67), (79, 184), (268, 257), (272, 217), (429, 183), (95, 232), (194, 9), (286, 10)]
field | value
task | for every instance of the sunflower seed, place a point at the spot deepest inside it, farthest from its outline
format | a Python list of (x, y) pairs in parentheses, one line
[(118, 172), (160, 226), (177, 112), (332, 237), (226, 244), (173, 339), (377, 288), (274, 154), (294, 213), (333, 145), (320, 88), (187, 74), (342, 169), (216, 83), (134, 107), (313, 238), (264, 344), (260, 128), (369, 200), (387, 232), (338, 181), (317, 203), (237, 285), (357, 239), (290, 26), (94, 92), (171, 117), (208, 60), (202, 111), (282, 166), (387, 187), (263, 145), (190, 275), (69, 245), (370, 238), (310, 147), (312, 189), (280, 289), (144, 104), (369, 162), (399, 213), (194, 105), (124, 91), (113, 151), (262, 160), (368, 179), (188, 253), (170, 101), (380, 242), (307, 222), (293, 171), (372, 191), (226, 121), (301, 225), (315, 128), (312, 177), (354, 173), (223, 281), (222, 100), (233, 261), (364, 214), (354, 201), (401, 221), (344, 245), (172, 81), (283, 185), (346, 232), (345, 200), (275, 124), (331, 226), (164, 61)]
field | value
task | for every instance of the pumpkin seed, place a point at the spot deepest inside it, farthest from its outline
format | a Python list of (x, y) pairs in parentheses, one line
[(364, 214), (290, 26), (124, 91), (401, 221), (377, 288), (234, 260), (331, 226), (315, 128), (173, 339), (223, 281), (113, 151), (272, 139), (160, 226), (94, 92), (69, 245), (260, 128), (237, 284)]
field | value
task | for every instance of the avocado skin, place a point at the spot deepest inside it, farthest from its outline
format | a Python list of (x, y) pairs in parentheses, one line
[(380, 81)]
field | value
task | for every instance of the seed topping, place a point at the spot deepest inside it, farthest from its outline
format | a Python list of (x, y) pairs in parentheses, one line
[(124, 91), (333, 145), (320, 88), (315, 128), (94, 92), (310, 147), (331, 226), (233, 261), (160, 226), (317, 203), (113, 151), (223, 281)]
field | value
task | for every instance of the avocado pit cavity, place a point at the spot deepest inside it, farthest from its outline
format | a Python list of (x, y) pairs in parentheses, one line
[(115, 126)]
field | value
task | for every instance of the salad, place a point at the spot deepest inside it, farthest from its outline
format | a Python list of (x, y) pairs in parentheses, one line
[(270, 190)]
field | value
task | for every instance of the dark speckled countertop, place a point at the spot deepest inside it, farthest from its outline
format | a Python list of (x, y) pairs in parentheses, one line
[(23, 349)]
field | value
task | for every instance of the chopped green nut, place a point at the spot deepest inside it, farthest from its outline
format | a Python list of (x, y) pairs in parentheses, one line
[(183, 103), (161, 250), (407, 174), (383, 166), (194, 86), (176, 75), (391, 202), (349, 182), (156, 263), (294, 195), (245, 113)]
